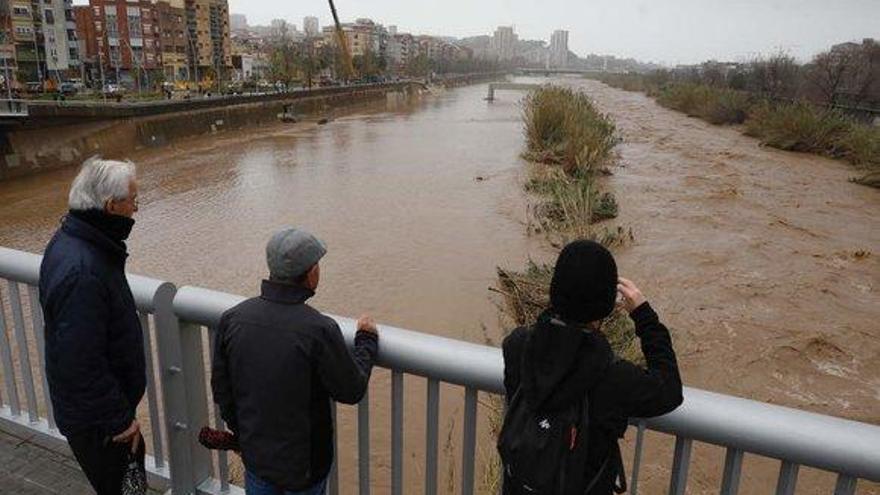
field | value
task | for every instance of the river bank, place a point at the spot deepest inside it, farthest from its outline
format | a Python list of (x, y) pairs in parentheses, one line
[(60, 134), (763, 263)]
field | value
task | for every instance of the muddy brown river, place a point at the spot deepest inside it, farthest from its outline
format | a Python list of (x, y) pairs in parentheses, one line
[(765, 264)]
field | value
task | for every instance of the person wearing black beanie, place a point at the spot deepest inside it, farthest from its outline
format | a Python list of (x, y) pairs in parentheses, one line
[(584, 285), (552, 365)]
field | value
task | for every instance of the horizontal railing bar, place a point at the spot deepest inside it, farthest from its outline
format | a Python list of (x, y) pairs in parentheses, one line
[(448, 360), (832, 444), (25, 268), (805, 438)]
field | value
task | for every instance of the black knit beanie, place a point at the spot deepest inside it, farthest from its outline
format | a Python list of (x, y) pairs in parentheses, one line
[(584, 285)]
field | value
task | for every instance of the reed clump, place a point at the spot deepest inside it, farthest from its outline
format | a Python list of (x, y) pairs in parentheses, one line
[(563, 127)]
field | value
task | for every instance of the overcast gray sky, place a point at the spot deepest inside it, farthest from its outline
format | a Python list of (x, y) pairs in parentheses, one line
[(668, 31)]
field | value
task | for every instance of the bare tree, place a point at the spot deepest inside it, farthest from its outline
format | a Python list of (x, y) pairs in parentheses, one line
[(830, 71), (776, 77)]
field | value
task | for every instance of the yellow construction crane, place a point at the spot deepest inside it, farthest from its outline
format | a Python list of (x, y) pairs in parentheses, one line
[(347, 64)]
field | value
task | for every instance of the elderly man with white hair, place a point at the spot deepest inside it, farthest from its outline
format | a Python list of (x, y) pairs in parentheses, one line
[(94, 343)]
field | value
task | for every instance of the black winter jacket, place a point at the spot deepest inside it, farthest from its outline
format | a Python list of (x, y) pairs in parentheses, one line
[(277, 365), (94, 343), (559, 364)]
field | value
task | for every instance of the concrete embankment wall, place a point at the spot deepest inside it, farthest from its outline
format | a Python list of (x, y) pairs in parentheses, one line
[(30, 150), (64, 134)]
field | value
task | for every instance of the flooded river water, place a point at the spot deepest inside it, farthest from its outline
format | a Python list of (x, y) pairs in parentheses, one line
[(765, 264), (417, 201)]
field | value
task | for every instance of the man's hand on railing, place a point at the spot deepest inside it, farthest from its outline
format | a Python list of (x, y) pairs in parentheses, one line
[(366, 323)]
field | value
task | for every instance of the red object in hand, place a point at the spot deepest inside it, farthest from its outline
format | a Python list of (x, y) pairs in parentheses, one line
[(218, 440)]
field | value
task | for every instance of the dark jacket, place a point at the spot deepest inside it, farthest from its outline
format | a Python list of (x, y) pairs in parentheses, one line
[(277, 364), (94, 344), (556, 365)]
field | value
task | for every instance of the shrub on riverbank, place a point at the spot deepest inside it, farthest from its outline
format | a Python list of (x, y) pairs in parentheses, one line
[(563, 127), (805, 127), (797, 126), (717, 106)]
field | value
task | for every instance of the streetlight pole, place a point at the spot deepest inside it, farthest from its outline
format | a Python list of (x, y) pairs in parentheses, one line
[(101, 70), (8, 80)]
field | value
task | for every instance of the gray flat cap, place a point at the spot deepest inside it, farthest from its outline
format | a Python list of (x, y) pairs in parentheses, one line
[(291, 252)]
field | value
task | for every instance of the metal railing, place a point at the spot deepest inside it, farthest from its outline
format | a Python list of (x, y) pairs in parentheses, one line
[(177, 321), (13, 108)]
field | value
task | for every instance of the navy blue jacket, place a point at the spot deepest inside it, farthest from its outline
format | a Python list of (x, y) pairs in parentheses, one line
[(94, 344)]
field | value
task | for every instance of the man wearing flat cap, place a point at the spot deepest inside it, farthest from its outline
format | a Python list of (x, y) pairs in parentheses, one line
[(278, 363)]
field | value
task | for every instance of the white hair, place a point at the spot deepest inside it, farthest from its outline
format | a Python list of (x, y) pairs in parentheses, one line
[(100, 181)]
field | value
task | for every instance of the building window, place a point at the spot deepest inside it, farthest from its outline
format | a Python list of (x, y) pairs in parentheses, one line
[(50, 17), (135, 30), (21, 11), (112, 27)]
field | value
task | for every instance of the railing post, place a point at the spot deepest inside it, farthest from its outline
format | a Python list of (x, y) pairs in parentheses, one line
[(637, 458), (788, 473), (680, 463), (469, 437), (187, 465), (732, 469), (196, 398)]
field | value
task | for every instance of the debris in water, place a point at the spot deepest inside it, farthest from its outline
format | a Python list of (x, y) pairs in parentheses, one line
[(480, 178), (287, 118), (323, 121)]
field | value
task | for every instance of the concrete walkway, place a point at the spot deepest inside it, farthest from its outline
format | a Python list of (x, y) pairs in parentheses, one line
[(28, 469)]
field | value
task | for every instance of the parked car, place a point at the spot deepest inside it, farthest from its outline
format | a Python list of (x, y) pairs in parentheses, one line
[(111, 88), (68, 88)]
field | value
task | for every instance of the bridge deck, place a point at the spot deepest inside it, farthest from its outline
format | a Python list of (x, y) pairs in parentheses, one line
[(28, 469)]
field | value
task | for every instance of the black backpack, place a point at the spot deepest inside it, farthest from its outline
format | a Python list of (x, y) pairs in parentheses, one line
[(545, 452)]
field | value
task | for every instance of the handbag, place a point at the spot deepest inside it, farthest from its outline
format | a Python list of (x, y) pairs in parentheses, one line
[(134, 480)]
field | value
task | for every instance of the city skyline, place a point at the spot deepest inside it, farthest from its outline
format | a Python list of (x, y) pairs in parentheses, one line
[(690, 31)]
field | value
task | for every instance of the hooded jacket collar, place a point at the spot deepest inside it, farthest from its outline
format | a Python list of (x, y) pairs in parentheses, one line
[(102, 232), (285, 293), (561, 362)]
